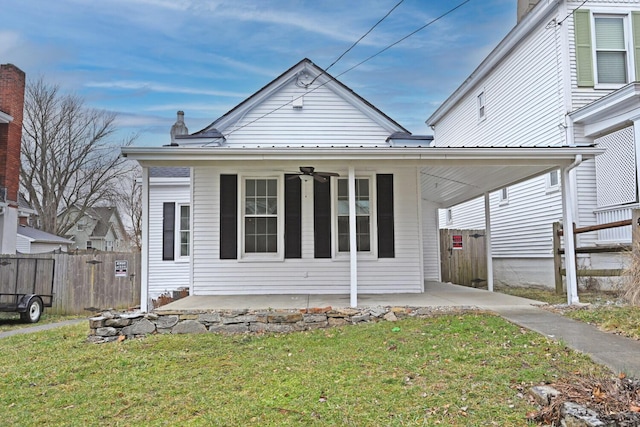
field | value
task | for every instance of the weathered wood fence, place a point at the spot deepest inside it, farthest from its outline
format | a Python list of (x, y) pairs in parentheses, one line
[(463, 257), (558, 249), (85, 283)]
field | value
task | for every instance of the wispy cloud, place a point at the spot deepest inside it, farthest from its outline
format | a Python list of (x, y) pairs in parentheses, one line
[(156, 87)]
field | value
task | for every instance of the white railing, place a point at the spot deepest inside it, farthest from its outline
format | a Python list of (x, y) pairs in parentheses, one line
[(614, 214)]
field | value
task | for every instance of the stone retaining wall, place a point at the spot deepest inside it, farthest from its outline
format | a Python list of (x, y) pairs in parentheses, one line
[(113, 326)]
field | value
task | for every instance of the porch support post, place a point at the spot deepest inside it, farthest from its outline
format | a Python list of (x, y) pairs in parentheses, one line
[(636, 136), (144, 267), (353, 246), (487, 241), (568, 234)]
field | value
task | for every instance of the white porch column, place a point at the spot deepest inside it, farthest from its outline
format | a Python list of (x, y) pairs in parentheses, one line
[(353, 246), (568, 203), (636, 138), (144, 267), (487, 241)]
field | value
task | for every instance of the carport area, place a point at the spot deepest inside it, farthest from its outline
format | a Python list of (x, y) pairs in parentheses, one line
[(436, 294)]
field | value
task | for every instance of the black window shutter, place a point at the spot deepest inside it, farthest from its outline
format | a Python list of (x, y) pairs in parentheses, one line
[(384, 190), (168, 231), (228, 216), (322, 219), (292, 217)]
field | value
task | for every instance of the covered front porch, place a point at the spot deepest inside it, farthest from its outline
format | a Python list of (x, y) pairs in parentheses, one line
[(435, 295)]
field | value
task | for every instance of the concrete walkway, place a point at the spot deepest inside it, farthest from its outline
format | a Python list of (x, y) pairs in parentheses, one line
[(619, 353), (38, 328)]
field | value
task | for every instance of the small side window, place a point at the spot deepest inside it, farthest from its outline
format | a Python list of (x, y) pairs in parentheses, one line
[(481, 106), (449, 216), (553, 181), (504, 196)]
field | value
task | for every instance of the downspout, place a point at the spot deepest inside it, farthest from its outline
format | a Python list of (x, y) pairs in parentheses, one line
[(568, 220)]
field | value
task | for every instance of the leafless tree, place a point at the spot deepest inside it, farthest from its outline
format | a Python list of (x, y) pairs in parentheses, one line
[(129, 204), (69, 156)]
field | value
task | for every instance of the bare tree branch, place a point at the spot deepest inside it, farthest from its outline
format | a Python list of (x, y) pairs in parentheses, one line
[(69, 157)]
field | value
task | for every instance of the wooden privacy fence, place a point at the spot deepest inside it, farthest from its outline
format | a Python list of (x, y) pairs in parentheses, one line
[(558, 249), (85, 283), (463, 257)]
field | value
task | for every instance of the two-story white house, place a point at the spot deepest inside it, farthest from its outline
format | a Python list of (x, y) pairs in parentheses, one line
[(564, 76)]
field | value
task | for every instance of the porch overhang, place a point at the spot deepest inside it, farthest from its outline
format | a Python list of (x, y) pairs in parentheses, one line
[(615, 111), (449, 175)]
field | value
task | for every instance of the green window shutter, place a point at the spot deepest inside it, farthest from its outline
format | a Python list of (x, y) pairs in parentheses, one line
[(584, 52), (635, 23)]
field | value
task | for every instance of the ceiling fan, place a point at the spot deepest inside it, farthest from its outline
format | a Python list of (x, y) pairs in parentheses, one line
[(308, 172)]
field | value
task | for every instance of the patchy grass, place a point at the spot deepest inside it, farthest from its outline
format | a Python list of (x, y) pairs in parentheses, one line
[(468, 369), (11, 321), (620, 320)]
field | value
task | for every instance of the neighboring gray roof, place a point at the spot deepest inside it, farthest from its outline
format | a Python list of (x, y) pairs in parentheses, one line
[(169, 172), (41, 236), (23, 204), (103, 215)]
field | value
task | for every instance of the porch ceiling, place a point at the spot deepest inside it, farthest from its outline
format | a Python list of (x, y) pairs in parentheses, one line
[(449, 175)]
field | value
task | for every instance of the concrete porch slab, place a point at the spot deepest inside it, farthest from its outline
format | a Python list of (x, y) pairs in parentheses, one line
[(436, 294)]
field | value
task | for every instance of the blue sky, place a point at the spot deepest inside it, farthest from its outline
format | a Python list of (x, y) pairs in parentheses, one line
[(146, 59)]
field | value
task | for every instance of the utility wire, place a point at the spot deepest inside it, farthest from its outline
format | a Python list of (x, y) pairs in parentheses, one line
[(360, 39), (571, 13), (332, 78)]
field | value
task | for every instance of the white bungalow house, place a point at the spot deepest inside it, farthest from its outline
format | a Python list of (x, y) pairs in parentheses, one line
[(307, 188), (564, 76)]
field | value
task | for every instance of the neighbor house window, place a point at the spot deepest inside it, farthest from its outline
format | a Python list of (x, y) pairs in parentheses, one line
[(449, 216), (89, 245), (553, 181), (363, 215), (185, 232), (481, 106), (611, 55), (261, 215), (504, 196), (81, 225)]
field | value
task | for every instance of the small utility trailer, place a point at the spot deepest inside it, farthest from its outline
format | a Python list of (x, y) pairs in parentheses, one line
[(26, 286)]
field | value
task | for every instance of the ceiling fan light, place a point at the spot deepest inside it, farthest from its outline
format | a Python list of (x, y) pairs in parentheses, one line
[(305, 178)]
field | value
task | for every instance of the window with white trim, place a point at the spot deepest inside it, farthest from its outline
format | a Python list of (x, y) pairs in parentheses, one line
[(611, 49), (449, 216), (553, 181), (481, 106), (260, 215), (185, 230), (504, 196), (363, 214)]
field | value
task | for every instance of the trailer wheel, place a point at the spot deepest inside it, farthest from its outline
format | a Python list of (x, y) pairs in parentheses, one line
[(34, 311)]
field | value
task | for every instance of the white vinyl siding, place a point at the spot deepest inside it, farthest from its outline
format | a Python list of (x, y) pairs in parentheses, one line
[(468, 215), (525, 104), (325, 119), (430, 241), (165, 276), (212, 276)]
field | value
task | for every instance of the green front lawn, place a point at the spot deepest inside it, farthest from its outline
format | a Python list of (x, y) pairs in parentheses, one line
[(458, 370)]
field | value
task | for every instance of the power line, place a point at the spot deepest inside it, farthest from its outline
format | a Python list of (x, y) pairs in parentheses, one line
[(571, 13), (332, 78), (365, 35)]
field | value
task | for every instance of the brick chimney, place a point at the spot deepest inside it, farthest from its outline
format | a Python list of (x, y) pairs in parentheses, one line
[(524, 7), (12, 84)]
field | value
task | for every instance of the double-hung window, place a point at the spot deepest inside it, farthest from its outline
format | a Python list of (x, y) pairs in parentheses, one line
[(185, 232), (363, 214), (260, 213), (611, 56)]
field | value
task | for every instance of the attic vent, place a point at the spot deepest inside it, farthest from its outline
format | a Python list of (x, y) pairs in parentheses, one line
[(297, 102)]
